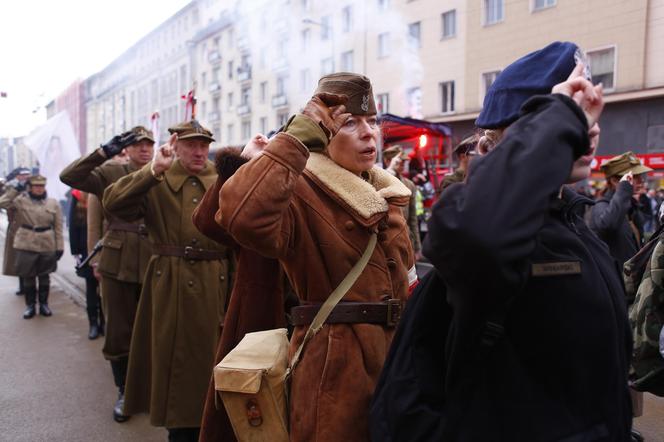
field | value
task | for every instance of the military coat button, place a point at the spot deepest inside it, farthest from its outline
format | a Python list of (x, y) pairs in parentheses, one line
[(190, 283), (158, 272), (222, 277), (195, 200), (350, 225), (194, 241), (194, 183), (192, 262)]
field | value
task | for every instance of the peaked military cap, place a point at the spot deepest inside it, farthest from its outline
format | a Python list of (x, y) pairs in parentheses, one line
[(141, 133), (191, 129), (356, 87), (533, 74), (393, 151), (467, 145), (622, 164), (37, 180)]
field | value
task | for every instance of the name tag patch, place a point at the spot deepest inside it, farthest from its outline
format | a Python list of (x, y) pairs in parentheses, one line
[(556, 268)]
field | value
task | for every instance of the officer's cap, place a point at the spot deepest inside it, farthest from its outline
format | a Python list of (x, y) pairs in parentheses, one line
[(392, 152), (356, 87), (141, 133), (622, 164), (191, 129), (37, 180)]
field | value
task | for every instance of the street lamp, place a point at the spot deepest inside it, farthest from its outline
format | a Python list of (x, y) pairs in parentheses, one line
[(327, 28)]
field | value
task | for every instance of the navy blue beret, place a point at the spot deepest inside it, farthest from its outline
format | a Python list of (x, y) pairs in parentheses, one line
[(533, 74)]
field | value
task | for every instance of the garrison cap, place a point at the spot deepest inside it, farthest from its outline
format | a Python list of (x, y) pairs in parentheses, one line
[(622, 164), (533, 74), (392, 152), (141, 133), (191, 129), (37, 180), (356, 87)]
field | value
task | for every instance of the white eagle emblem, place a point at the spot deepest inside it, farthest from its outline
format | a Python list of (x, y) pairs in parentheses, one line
[(365, 103)]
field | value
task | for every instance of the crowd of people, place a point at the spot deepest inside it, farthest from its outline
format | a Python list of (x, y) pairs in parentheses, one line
[(520, 333)]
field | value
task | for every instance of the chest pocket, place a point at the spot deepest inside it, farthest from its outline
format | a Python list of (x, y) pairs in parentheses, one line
[(111, 255)]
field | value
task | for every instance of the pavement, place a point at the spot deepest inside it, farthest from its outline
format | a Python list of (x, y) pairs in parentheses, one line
[(56, 386), (54, 382)]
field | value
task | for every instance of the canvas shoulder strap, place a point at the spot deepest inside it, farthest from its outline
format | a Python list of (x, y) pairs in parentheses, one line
[(333, 300)]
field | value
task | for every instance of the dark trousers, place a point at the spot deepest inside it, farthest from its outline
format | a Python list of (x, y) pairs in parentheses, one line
[(183, 434), (31, 289), (120, 301), (92, 301)]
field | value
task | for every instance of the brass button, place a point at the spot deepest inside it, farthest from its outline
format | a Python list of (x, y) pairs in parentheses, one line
[(194, 241), (158, 272), (350, 225), (222, 277), (392, 263), (194, 183), (195, 200), (192, 262), (190, 283)]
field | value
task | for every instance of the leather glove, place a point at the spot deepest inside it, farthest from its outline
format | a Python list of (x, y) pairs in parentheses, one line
[(58, 254), (328, 111), (115, 145)]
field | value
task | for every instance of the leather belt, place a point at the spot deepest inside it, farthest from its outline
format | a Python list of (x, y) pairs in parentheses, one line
[(386, 313), (36, 229), (128, 227), (188, 252)]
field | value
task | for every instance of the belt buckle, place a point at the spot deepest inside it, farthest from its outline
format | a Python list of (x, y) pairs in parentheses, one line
[(187, 251), (393, 312), (142, 230)]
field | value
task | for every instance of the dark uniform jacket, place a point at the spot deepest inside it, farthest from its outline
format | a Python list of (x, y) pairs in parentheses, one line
[(125, 255), (560, 370), (616, 221)]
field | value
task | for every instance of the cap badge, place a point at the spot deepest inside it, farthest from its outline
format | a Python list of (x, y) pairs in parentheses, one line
[(365, 103)]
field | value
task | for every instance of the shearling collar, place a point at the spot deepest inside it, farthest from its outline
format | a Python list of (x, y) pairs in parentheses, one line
[(366, 198), (176, 175)]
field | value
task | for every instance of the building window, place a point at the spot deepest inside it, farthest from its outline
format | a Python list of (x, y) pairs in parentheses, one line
[(326, 26), (305, 80), (230, 70), (449, 24), (446, 97), (347, 19), (229, 134), (603, 66), (229, 101), (493, 11), (383, 5), (263, 95), (326, 66), (487, 80), (306, 38), (245, 96), (347, 61), (281, 86), (263, 125), (306, 5), (414, 40), (415, 102), (203, 80), (383, 44), (282, 119), (383, 103), (204, 110), (246, 130), (543, 4)]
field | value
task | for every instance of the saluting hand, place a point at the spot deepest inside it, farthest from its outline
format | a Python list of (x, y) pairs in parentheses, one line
[(165, 156), (255, 146), (329, 111), (589, 98)]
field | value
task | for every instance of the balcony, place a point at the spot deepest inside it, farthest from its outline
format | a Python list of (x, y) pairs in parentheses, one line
[(214, 56), (242, 42), (214, 87), (214, 116), (279, 101), (244, 74), (244, 109)]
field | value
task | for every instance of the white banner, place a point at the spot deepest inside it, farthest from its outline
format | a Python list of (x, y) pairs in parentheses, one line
[(55, 146)]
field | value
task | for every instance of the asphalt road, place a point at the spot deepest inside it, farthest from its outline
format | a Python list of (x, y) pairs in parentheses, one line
[(56, 386)]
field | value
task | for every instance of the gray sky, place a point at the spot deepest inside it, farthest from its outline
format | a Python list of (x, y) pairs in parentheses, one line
[(45, 45)]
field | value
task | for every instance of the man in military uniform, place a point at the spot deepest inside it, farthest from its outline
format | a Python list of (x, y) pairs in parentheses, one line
[(126, 249), (184, 291), (463, 152), (615, 217), (19, 178), (38, 241), (394, 159)]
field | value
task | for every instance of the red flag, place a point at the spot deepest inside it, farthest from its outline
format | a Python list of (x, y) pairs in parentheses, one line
[(190, 105)]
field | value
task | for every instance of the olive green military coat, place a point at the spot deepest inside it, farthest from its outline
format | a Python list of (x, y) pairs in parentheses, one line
[(182, 302), (9, 256), (125, 255), (35, 213)]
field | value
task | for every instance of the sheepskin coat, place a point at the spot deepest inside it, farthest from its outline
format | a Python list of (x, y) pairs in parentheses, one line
[(316, 218)]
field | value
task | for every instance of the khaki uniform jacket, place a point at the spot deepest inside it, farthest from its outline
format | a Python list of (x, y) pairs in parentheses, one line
[(317, 221), (186, 298), (9, 256), (35, 213), (125, 255), (410, 214), (96, 225)]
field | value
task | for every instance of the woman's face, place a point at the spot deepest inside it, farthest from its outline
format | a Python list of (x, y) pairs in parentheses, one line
[(581, 168), (354, 146)]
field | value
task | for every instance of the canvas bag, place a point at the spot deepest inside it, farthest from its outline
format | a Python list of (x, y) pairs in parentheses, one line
[(253, 377)]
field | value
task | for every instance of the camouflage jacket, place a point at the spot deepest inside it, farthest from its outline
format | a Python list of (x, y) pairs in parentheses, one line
[(646, 316)]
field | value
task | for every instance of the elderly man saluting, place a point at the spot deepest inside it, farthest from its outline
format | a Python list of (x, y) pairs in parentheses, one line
[(185, 285)]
